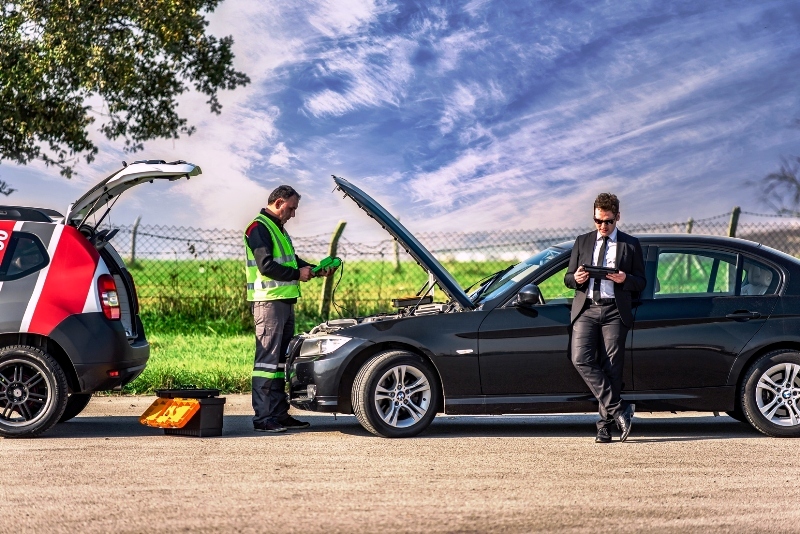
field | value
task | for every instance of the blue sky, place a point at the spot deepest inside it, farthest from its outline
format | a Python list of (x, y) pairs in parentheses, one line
[(478, 115)]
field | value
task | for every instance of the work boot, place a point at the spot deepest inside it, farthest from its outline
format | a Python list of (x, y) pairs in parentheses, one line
[(269, 426), (293, 424)]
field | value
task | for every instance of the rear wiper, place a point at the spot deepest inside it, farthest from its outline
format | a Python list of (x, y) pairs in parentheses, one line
[(489, 281)]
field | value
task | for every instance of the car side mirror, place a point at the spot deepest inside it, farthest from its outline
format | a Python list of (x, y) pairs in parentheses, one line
[(529, 295)]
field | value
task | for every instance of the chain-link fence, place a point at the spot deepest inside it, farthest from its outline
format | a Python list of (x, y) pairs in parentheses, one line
[(191, 271)]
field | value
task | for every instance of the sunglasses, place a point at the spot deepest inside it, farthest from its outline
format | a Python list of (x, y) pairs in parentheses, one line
[(609, 222)]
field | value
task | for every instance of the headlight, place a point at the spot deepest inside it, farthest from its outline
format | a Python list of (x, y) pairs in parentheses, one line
[(317, 346)]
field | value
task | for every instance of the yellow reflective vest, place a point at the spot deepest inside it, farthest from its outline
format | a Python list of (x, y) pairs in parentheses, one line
[(260, 287)]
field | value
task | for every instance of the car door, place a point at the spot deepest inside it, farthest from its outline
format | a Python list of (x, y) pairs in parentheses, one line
[(694, 320), (526, 350)]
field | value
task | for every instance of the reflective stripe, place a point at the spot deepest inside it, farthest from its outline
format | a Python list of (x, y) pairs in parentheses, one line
[(272, 283), (251, 263), (267, 365), (267, 374)]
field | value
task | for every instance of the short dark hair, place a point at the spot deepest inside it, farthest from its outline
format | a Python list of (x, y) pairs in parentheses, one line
[(283, 191), (607, 202)]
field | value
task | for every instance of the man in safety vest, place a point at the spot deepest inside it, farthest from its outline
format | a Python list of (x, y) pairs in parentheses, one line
[(274, 273)]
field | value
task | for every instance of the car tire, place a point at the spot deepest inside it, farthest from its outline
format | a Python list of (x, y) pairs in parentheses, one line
[(395, 394), (771, 392), (33, 391), (739, 415), (75, 405)]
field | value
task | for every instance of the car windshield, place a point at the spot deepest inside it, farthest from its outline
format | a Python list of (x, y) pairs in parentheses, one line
[(499, 284)]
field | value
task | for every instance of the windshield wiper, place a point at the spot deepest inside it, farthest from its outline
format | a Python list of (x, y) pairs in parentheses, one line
[(489, 282)]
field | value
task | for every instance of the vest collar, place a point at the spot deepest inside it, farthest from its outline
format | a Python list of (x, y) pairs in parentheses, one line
[(272, 218)]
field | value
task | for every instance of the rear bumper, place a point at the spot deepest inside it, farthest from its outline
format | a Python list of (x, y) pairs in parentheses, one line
[(98, 347)]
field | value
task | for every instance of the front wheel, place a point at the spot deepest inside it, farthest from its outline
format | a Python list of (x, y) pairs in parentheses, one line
[(395, 395), (33, 391), (771, 393)]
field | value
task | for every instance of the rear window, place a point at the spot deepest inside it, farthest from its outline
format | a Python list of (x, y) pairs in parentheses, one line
[(25, 255)]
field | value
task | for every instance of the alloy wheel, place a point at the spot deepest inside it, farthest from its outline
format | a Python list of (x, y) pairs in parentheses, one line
[(402, 396), (777, 394), (26, 392)]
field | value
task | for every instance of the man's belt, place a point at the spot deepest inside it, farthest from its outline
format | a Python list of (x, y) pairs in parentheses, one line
[(601, 302)]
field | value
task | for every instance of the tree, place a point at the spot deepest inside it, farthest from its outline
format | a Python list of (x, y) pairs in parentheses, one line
[(64, 63), (781, 189)]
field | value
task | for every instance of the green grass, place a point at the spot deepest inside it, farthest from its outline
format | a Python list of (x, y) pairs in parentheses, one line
[(202, 360)]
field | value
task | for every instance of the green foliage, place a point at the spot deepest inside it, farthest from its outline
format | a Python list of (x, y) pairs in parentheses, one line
[(136, 56)]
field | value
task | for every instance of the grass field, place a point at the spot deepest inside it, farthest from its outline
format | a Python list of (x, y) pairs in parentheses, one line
[(204, 360)]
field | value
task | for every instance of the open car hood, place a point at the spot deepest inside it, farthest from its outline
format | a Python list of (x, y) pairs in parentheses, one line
[(131, 175), (414, 248)]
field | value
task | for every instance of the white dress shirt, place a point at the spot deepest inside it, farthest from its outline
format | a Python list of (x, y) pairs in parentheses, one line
[(606, 285)]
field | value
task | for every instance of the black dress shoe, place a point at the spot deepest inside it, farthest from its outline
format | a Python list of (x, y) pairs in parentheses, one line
[(624, 421), (269, 426), (293, 424), (603, 436)]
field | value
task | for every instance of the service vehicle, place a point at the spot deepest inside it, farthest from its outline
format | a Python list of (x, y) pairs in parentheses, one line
[(717, 329), (69, 314)]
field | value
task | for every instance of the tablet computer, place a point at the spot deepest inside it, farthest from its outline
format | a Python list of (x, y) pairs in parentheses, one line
[(599, 272)]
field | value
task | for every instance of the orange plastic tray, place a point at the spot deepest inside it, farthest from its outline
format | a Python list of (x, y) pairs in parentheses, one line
[(170, 413)]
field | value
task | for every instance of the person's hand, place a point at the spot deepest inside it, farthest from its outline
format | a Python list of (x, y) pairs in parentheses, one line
[(617, 277), (581, 275), (326, 272), (305, 274)]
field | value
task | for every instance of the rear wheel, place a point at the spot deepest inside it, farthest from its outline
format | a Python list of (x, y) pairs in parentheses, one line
[(771, 394), (33, 391), (395, 395), (75, 405)]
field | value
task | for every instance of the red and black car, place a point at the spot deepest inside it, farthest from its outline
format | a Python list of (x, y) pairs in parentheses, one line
[(69, 322)]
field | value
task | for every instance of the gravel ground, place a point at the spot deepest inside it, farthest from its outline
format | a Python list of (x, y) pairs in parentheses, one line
[(104, 472)]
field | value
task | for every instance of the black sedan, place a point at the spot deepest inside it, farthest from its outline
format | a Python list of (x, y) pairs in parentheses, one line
[(716, 329)]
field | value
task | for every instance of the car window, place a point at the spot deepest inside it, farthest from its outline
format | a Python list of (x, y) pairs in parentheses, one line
[(683, 273), (553, 289), (758, 279), (514, 275), (25, 255)]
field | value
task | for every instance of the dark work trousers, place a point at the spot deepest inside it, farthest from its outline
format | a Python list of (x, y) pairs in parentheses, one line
[(598, 353), (274, 329)]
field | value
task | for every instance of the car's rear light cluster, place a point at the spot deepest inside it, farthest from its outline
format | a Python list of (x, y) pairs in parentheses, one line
[(109, 300)]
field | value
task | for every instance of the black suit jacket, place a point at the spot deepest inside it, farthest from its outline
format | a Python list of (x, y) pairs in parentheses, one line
[(630, 260)]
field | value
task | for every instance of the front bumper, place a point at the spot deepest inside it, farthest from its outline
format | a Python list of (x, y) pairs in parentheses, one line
[(324, 373), (97, 346)]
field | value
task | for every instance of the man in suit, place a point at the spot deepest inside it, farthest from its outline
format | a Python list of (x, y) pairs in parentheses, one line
[(602, 314)]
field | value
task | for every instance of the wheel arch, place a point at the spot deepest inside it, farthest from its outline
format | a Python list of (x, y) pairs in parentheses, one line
[(357, 362), (50, 347), (781, 345)]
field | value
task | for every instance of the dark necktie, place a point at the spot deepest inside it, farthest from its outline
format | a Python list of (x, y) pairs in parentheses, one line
[(601, 262)]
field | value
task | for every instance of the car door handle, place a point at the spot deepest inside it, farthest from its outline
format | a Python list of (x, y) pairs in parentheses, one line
[(743, 315)]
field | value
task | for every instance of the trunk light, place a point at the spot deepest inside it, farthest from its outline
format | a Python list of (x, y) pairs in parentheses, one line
[(113, 374), (109, 300)]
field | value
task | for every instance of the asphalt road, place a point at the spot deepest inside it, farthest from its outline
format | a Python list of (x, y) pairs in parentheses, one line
[(104, 472)]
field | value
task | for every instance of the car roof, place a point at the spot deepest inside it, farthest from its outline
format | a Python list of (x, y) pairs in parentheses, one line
[(26, 213)]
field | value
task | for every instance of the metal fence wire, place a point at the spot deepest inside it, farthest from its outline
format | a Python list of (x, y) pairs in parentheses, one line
[(181, 263)]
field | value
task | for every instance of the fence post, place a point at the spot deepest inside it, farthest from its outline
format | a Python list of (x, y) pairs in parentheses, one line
[(133, 238), (734, 221), (689, 225), (396, 250), (327, 284)]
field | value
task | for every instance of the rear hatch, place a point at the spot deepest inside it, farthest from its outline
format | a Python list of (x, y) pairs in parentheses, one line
[(98, 202)]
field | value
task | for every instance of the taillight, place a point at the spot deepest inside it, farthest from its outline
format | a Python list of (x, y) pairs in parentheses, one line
[(109, 300)]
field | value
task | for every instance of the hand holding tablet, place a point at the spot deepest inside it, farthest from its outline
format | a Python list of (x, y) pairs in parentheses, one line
[(598, 272)]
